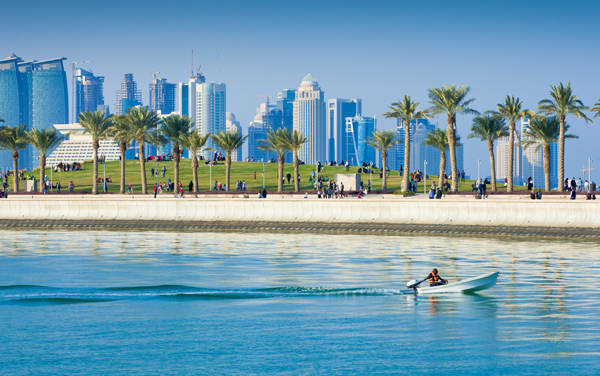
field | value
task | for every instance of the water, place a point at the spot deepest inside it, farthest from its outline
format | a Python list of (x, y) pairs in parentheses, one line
[(98, 303)]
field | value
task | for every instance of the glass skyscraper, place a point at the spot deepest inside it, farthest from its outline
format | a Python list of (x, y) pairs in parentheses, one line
[(89, 92), (309, 120), (210, 111), (359, 130), (34, 94), (338, 110), (231, 124), (128, 95), (285, 102), (162, 96)]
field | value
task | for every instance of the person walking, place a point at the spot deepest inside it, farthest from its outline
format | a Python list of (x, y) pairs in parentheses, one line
[(71, 186), (155, 190)]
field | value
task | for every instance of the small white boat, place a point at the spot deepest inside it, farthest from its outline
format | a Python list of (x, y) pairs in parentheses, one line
[(481, 282)]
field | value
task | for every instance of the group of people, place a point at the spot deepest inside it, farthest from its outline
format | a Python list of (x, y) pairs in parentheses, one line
[(435, 192), (155, 172), (333, 190), (480, 186)]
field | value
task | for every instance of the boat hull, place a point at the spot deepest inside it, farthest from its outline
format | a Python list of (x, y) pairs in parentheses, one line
[(481, 282)]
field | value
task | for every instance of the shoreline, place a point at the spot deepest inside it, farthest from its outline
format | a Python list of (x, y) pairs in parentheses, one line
[(385, 229)]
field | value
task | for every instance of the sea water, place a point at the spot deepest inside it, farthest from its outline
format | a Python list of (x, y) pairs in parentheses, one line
[(151, 303)]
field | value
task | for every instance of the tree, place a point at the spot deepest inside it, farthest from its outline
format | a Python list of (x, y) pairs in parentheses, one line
[(229, 142), (174, 128), (563, 103), (121, 133), (14, 139), (406, 110), (439, 140), (596, 109), (278, 141), (194, 142), (142, 123), (44, 140), (97, 125), (383, 140), (451, 100), (511, 110), (541, 133), (295, 142), (489, 128)]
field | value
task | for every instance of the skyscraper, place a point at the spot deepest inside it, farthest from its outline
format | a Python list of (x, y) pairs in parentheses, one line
[(89, 92), (358, 130), (210, 110), (285, 102), (268, 117), (162, 96), (231, 124), (186, 96), (338, 110), (309, 120), (34, 94), (502, 146), (128, 95), (532, 162)]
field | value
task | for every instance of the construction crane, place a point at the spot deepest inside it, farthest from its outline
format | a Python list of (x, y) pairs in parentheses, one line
[(73, 65)]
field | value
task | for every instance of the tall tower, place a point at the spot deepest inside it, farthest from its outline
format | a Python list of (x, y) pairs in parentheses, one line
[(128, 95), (89, 93), (162, 96), (309, 120), (232, 125), (210, 110), (338, 109)]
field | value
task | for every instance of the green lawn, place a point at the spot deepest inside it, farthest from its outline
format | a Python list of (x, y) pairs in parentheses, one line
[(239, 171)]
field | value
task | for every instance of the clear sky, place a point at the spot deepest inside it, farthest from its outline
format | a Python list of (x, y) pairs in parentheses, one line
[(377, 51)]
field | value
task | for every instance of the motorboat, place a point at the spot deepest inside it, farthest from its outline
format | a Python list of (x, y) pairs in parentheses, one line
[(481, 282)]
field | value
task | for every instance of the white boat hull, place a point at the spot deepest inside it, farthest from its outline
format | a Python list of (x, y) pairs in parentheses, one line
[(481, 282)]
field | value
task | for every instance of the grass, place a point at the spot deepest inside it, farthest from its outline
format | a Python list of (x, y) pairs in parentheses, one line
[(251, 172)]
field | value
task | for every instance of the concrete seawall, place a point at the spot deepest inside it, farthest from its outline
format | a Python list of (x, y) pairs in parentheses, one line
[(558, 213)]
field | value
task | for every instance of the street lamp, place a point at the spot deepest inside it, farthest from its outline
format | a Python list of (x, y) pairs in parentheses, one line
[(264, 173), (478, 169), (425, 176)]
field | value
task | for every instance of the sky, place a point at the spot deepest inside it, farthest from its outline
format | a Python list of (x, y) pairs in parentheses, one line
[(378, 51)]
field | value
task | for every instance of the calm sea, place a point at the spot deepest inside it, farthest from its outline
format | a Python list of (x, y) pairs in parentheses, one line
[(123, 303)]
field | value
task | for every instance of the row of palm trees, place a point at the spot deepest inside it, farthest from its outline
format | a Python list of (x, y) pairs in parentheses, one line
[(451, 100)]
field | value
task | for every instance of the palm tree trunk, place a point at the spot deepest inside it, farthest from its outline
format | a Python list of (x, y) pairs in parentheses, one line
[(227, 170), (123, 148), (384, 168), (442, 168), (561, 153), (404, 184), (42, 171), (142, 166), (296, 174), (492, 164), (15, 156), (452, 148), (280, 162), (511, 157), (547, 167), (176, 157), (95, 168), (195, 172)]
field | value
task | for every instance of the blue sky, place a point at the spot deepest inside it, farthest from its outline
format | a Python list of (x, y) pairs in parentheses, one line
[(378, 51)]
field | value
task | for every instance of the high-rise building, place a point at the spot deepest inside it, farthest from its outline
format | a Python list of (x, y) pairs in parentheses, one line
[(285, 102), (358, 130), (34, 94), (338, 110), (210, 110), (268, 117), (162, 96), (532, 162), (256, 133), (232, 125), (309, 120), (182, 98), (502, 146), (128, 95), (89, 92), (186, 96)]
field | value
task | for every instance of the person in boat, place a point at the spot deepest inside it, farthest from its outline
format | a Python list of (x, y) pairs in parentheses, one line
[(435, 279)]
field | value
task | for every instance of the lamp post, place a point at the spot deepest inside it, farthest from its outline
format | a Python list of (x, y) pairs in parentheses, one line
[(478, 169), (424, 176), (51, 176), (264, 173), (104, 185)]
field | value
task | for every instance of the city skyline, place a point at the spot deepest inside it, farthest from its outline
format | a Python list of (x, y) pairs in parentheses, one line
[(506, 52)]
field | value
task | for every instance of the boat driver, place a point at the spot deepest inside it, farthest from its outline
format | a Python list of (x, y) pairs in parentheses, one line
[(435, 279)]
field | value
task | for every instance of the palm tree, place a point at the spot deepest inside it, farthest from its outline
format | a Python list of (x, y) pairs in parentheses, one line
[(563, 103), (44, 140), (14, 139), (157, 140), (596, 109), (97, 125), (194, 142), (229, 141), (451, 100), (295, 142), (541, 133), (511, 110), (406, 110), (174, 127), (278, 141), (383, 140), (121, 132), (142, 122), (439, 140), (489, 128)]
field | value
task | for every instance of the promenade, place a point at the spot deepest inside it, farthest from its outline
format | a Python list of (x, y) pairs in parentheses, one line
[(501, 215)]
